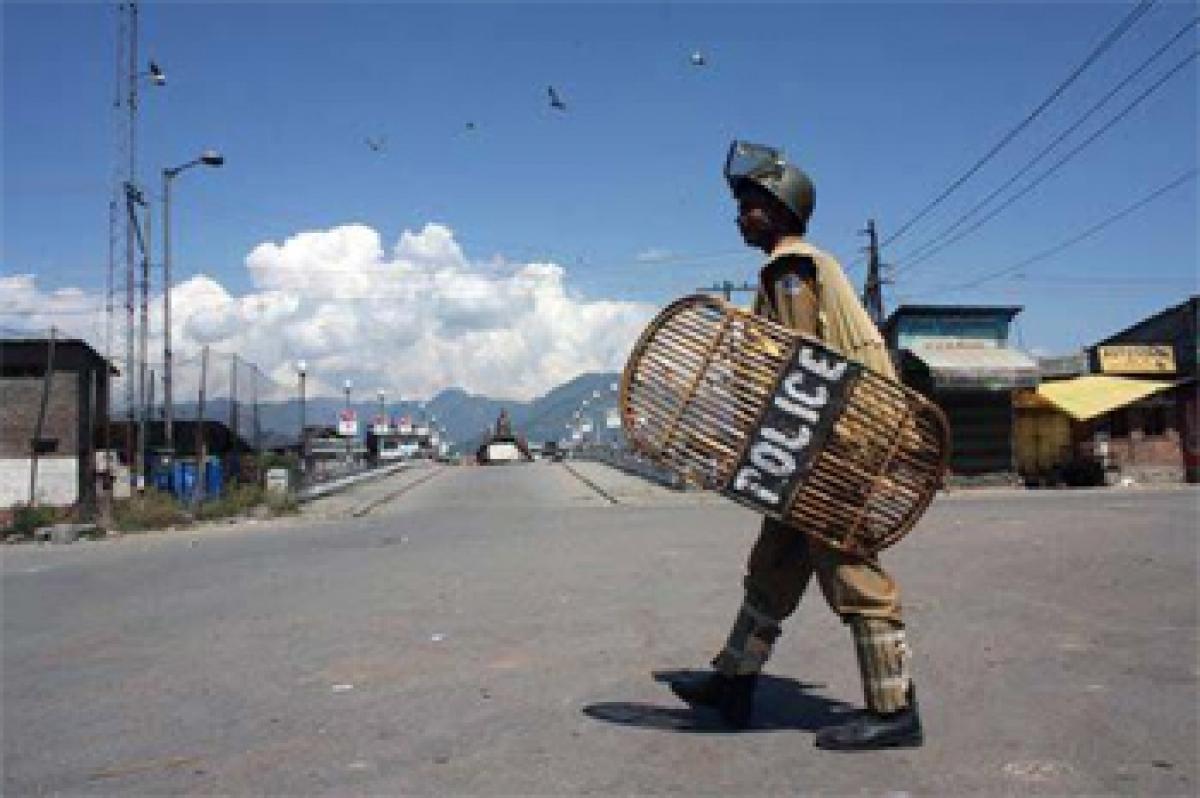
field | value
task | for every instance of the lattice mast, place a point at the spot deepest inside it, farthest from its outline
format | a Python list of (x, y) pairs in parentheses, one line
[(123, 281)]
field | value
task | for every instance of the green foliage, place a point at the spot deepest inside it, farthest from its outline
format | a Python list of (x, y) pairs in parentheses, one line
[(26, 519), (283, 504), (151, 510), (235, 501)]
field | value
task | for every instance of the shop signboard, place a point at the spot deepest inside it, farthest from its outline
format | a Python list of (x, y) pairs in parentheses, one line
[(1136, 359)]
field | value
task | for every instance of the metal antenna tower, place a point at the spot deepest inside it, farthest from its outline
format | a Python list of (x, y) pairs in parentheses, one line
[(124, 114)]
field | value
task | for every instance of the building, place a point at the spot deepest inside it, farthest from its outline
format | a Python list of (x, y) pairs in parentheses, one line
[(327, 453), (960, 357), (1156, 438), (1132, 416), (53, 405)]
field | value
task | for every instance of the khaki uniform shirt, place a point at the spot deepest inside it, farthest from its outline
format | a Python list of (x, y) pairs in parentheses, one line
[(805, 289)]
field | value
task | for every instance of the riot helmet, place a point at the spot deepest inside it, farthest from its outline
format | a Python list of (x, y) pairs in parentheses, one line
[(767, 168)]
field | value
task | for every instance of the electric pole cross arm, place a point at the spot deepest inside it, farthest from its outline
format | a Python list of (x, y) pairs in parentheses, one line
[(726, 288)]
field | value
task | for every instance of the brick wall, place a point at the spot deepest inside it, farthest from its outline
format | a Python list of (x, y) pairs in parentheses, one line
[(20, 400), (1149, 458), (1139, 450)]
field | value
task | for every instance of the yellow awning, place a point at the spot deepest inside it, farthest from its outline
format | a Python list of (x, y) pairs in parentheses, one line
[(1092, 395)]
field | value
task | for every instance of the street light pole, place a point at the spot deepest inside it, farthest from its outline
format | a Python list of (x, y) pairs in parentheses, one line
[(207, 158), (349, 456), (301, 369), (168, 407)]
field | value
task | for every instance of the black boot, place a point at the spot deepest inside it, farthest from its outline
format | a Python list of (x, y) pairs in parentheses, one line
[(732, 696), (871, 731)]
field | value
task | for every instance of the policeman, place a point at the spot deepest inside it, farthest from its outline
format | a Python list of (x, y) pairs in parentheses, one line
[(805, 289)]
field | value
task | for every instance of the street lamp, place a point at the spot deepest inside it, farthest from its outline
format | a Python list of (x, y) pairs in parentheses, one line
[(382, 411), (346, 386), (207, 158), (302, 372)]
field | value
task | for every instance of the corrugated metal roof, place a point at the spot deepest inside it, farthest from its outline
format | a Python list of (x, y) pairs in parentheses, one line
[(1094, 394), (974, 366)]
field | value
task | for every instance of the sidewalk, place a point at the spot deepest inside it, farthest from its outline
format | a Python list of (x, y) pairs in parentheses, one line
[(340, 484)]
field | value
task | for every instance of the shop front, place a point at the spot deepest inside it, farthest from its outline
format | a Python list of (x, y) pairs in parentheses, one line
[(1132, 419), (1095, 429), (1156, 439), (959, 356)]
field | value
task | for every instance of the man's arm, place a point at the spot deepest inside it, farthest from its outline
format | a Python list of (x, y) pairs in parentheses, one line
[(794, 291)]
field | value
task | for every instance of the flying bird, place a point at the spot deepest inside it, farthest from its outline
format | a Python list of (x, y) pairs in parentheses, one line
[(698, 59), (376, 145), (555, 101), (470, 126)]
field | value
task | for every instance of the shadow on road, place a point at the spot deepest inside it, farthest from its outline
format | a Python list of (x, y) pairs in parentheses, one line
[(780, 704)]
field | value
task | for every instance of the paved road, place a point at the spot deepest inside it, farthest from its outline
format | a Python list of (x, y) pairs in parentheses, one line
[(496, 631)]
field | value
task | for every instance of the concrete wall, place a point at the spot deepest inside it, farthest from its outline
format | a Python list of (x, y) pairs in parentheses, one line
[(57, 482)]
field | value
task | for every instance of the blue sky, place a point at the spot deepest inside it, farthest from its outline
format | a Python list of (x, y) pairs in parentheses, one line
[(884, 104)]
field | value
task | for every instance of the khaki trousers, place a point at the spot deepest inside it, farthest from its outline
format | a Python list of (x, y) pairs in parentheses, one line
[(781, 565), (783, 562)]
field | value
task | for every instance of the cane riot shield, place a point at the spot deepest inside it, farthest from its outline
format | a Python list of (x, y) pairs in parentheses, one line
[(781, 423)]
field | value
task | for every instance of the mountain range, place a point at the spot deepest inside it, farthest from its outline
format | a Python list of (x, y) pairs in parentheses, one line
[(464, 418)]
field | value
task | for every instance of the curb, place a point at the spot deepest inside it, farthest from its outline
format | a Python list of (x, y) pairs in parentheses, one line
[(339, 485), (591, 484)]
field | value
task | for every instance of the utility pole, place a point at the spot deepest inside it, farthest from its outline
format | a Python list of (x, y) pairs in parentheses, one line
[(233, 414), (302, 371), (150, 400), (144, 406), (133, 198), (36, 443), (201, 443), (873, 287), (349, 452), (254, 399), (726, 288), (147, 426)]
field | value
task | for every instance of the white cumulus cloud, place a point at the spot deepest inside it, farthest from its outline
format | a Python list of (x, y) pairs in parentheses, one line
[(413, 319)]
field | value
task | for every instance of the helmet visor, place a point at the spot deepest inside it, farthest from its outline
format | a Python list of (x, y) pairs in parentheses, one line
[(752, 161)]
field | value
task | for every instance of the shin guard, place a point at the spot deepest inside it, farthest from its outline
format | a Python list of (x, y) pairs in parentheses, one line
[(749, 644), (883, 660)]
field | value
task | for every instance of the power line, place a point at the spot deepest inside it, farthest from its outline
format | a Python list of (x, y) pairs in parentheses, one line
[(1108, 41), (1101, 282), (563, 263), (1190, 174), (1057, 165), (921, 250)]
